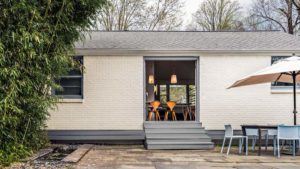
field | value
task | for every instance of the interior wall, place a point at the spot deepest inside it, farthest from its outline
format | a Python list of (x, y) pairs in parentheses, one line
[(184, 70), (149, 87)]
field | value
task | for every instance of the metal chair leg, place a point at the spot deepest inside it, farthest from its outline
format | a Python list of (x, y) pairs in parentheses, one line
[(294, 148), (223, 144), (274, 146), (246, 144), (228, 150), (266, 141), (240, 145), (278, 148)]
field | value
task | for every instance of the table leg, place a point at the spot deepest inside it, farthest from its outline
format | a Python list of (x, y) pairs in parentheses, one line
[(259, 141), (244, 134)]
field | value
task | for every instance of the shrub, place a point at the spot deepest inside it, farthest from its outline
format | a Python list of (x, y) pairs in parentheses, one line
[(36, 44)]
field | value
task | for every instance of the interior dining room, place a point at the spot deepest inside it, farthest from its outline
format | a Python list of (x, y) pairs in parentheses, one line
[(170, 93)]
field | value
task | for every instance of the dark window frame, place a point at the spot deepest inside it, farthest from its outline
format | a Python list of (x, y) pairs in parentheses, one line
[(281, 85), (187, 93), (76, 76)]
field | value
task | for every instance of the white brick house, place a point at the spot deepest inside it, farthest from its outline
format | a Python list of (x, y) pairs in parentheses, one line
[(114, 90)]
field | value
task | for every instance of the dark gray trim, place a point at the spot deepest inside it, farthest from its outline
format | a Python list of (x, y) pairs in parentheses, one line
[(96, 136), (170, 58), (197, 85), (74, 76), (144, 90)]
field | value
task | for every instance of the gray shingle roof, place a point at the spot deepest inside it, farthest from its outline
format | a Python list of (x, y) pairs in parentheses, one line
[(273, 40)]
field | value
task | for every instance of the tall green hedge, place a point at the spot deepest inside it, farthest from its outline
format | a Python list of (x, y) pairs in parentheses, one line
[(36, 45)]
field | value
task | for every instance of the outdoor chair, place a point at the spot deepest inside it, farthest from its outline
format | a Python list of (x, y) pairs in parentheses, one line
[(253, 134), (287, 133), (154, 105), (171, 105), (229, 135), (271, 133)]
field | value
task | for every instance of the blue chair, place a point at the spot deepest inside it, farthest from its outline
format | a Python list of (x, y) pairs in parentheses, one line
[(287, 133), (229, 135), (271, 133), (253, 134)]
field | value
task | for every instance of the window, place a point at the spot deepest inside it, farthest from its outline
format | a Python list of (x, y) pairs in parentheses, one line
[(178, 94), (192, 95), (181, 94), (72, 84), (163, 93), (280, 85)]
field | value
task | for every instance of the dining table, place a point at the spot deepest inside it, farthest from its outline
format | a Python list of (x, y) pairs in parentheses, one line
[(260, 128)]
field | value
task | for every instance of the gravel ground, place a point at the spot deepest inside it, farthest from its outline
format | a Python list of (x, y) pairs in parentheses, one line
[(49, 161), (41, 165)]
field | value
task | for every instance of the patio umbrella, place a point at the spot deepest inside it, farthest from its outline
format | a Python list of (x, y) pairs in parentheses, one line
[(285, 70)]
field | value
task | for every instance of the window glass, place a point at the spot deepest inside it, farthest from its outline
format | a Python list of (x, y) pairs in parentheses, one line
[(72, 83), (280, 84), (178, 94), (192, 95), (163, 93)]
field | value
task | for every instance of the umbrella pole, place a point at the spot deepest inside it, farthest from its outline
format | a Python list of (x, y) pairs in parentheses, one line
[(294, 91)]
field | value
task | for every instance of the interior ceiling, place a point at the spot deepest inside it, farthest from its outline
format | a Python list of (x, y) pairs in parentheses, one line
[(185, 70)]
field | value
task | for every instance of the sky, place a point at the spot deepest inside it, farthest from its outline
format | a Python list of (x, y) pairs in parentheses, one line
[(192, 5)]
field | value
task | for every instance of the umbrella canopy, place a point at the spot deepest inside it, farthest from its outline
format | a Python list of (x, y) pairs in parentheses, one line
[(285, 70)]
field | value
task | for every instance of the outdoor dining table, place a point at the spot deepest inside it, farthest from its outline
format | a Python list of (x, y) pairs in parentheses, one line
[(260, 128)]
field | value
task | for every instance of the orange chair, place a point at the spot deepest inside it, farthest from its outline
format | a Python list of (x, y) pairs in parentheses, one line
[(171, 105), (189, 112), (155, 105)]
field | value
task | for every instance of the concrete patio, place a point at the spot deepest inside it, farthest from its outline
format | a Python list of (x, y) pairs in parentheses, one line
[(136, 157)]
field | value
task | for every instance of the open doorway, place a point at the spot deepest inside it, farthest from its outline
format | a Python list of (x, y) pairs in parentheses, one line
[(171, 90)]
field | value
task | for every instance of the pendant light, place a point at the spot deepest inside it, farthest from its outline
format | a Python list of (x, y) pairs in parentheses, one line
[(173, 79), (151, 79)]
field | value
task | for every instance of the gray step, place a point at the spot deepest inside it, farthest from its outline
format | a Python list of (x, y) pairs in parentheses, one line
[(183, 141), (174, 136), (148, 125), (178, 130), (202, 146)]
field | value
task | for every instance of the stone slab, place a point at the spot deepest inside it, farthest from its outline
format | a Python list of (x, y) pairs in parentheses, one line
[(75, 156)]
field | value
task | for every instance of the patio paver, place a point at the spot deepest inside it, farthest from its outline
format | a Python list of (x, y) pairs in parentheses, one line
[(136, 157)]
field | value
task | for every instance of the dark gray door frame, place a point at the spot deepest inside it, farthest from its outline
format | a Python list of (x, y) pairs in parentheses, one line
[(174, 58)]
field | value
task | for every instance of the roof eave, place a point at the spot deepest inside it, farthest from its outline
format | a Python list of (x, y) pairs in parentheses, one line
[(145, 52)]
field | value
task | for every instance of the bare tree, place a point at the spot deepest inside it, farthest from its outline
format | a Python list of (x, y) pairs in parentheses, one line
[(218, 15), (163, 15), (297, 5), (121, 15), (141, 14), (279, 14), (253, 23)]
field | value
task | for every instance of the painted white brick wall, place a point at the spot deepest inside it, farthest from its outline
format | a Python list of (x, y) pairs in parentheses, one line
[(245, 105), (113, 96)]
